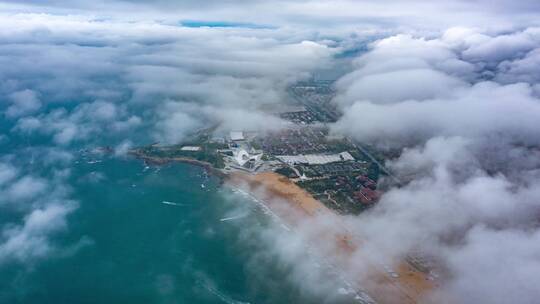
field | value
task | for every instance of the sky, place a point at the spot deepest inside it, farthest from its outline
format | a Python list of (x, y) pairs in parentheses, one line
[(453, 85)]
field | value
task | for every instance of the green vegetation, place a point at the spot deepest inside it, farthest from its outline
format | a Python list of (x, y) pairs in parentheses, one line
[(208, 153), (256, 145), (359, 155), (373, 172), (286, 171), (336, 192), (337, 146), (317, 185)]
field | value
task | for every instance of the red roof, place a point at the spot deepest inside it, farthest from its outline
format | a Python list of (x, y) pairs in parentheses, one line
[(367, 196)]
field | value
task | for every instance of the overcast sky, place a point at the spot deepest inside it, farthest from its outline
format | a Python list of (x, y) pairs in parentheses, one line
[(322, 14)]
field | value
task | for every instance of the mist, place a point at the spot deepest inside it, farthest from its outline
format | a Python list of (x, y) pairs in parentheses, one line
[(453, 87)]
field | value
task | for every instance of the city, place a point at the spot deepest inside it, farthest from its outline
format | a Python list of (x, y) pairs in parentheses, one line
[(332, 168)]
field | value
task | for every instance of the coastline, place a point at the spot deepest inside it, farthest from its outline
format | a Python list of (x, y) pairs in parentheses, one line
[(280, 186), (265, 187), (277, 193), (151, 160)]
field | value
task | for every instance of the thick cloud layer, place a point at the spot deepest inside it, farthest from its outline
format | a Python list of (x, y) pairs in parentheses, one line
[(322, 15), (408, 87), (95, 75), (465, 118), (453, 86)]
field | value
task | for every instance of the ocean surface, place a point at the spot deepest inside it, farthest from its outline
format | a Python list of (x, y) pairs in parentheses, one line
[(168, 234)]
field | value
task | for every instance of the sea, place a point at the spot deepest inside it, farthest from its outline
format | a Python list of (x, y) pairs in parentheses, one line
[(153, 234)]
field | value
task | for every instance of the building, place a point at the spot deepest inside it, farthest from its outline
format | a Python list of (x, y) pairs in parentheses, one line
[(367, 196), (315, 159), (236, 135), (190, 148), (241, 156)]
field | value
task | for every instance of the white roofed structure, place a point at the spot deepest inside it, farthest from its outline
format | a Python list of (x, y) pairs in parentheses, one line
[(316, 159), (241, 156), (190, 148), (236, 135)]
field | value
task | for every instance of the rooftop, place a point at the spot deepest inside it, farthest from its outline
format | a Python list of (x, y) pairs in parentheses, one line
[(236, 135)]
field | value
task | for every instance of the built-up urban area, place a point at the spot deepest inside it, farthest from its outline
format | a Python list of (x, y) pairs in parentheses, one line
[(338, 172)]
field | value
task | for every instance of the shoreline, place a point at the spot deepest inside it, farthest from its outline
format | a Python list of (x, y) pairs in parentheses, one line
[(410, 285), (159, 161), (305, 206)]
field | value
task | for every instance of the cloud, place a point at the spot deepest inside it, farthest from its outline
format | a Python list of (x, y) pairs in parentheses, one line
[(413, 84), (242, 119), (25, 188), (324, 16), (522, 69), (515, 252), (7, 173), (36, 209), (399, 101), (453, 210), (178, 120), (503, 47), (109, 74), (29, 240), (304, 252), (484, 109), (468, 156), (459, 104), (23, 102), (123, 148), (175, 124), (79, 124)]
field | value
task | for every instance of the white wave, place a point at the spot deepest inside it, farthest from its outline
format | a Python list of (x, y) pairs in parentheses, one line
[(223, 297), (263, 207), (173, 204), (236, 217)]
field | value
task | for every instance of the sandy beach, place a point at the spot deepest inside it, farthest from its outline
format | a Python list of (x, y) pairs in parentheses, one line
[(279, 193), (278, 185)]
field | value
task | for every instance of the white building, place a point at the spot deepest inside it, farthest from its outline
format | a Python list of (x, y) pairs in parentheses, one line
[(190, 148), (236, 135), (316, 159), (241, 156)]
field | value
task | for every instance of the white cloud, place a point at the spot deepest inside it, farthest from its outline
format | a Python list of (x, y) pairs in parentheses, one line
[(29, 240), (37, 209), (122, 148), (413, 84), (461, 104), (23, 102), (25, 188), (484, 109), (509, 281), (503, 47), (7, 173), (125, 79), (468, 156), (176, 123), (408, 88)]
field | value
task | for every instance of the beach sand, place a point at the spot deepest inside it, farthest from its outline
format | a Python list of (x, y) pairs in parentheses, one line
[(280, 193), (283, 187)]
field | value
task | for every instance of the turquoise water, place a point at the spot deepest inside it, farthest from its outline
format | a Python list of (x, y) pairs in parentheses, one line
[(124, 245)]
